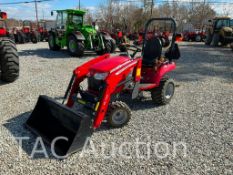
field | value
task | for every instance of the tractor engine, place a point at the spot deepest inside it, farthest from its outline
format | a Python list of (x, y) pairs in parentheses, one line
[(100, 71)]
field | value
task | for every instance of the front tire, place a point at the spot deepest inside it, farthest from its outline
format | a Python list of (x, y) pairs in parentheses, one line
[(35, 37), (9, 61), (208, 39), (198, 38), (52, 43), (108, 48), (75, 47), (163, 94), (215, 40), (118, 114), (113, 46), (21, 37)]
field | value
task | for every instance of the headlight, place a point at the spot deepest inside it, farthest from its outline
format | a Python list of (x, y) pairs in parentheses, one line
[(100, 76)]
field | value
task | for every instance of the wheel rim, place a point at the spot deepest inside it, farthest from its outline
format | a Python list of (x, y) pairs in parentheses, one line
[(169, 91), (119, 116), (198, 38), (72, 46), (51, 43)]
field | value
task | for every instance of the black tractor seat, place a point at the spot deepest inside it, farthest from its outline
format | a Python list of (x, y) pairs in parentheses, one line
[(152, 51)]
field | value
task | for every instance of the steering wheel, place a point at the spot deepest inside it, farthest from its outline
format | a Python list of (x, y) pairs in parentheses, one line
[(133, 48)]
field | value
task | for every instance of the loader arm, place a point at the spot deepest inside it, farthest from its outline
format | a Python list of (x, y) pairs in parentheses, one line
[(80, 73)]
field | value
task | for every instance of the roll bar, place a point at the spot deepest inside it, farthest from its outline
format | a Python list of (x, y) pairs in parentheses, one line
[(160, 19)]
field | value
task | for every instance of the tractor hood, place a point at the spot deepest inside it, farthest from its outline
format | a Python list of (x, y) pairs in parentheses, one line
[(228, 29), (88, 29), (110, 64)]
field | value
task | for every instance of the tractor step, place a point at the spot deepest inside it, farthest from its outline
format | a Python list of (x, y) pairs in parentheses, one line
[(52, 120), (146, 86)]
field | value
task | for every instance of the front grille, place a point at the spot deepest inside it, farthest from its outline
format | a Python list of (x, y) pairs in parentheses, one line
[(228, 34), (94, 84)]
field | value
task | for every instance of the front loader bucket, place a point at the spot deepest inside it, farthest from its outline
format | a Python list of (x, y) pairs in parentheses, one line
[(52, 120)]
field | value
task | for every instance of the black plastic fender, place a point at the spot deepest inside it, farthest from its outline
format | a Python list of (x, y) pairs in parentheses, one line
[(79, 35)]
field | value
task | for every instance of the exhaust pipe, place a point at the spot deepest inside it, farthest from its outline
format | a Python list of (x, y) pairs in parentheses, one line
[(52, 120)]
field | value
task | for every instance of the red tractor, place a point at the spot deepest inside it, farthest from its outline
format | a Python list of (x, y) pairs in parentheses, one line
[(67, 126), (4, 31), (120, 39), (43, 32), (27, 33), (196, 35)]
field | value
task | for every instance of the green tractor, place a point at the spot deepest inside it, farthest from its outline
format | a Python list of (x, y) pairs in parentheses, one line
[(219, 30), (70, 32)]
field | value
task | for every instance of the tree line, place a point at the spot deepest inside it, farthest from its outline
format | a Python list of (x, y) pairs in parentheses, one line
[(129, 17)]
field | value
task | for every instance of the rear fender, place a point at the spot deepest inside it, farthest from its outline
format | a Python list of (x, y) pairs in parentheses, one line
[(78, 35), (80, 73), (162, 70)]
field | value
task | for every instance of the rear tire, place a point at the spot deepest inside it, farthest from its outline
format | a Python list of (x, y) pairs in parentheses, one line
[(163, 94), (9, 61), (118, 114), (35, 37), (52, 43), (75, 47)]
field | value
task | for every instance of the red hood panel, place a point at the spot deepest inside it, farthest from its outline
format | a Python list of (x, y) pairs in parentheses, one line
[(109, 64)]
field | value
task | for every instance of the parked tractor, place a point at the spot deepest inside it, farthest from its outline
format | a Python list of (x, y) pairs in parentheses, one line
[(9, 59), (121, 40), (132, 36), (4, 31), (42, 29), (219, 30), (67, 127), (71, 32), (27, 33), (163, 36), (196, 35), (139, 40)]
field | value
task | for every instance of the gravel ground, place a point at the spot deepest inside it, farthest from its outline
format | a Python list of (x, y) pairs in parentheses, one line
[(200, 117)]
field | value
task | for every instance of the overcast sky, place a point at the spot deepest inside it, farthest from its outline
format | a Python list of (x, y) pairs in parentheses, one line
[(27, 11)]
